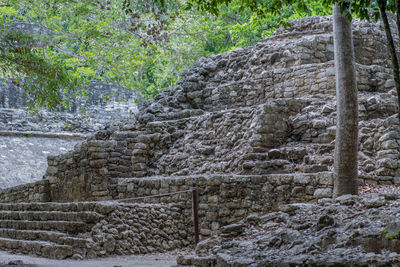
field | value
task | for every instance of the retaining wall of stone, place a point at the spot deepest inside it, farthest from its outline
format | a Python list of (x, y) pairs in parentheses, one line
[(225, 199), (83, 174), (141, 229), (33, 192), (201, 144)]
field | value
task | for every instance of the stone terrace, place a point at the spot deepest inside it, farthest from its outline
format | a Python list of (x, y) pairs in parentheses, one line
[(254, 128)]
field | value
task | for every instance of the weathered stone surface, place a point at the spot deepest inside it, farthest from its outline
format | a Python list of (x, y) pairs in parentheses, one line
[(262, 110), (254, 128), (329, 234), (374, 202), (74, 230), (232, 230), (238, 195)]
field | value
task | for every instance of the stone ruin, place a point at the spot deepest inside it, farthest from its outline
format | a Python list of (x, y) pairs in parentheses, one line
[(105, 103), (36, 135), (254, 128)]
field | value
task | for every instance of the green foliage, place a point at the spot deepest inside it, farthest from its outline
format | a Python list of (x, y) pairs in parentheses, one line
[(45, 80), (142, 45), (362, 9), (391, 235)]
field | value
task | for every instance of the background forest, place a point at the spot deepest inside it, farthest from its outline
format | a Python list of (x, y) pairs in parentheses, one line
[(135, 44)]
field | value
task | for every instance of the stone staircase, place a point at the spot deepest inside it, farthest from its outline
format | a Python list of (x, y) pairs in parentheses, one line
[(80, 230), (53, 230)]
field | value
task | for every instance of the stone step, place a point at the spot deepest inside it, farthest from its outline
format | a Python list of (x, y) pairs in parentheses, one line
[(184, 114), (62, 226), (310, 168), (171, 116), (49, 236), (322, 147), (39, 248), (99, 207), (85, 216), (255, 156), (223, 185), (124, 134), (245, 111), (52, 230)]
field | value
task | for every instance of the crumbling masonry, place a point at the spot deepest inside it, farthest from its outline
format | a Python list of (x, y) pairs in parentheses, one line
[(253, 128)]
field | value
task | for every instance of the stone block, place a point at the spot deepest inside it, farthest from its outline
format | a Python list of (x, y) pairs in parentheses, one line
[(97, 163), (51, 170), (323, 193), (213, 199), (139, 166), (325, 178), (301, 179)]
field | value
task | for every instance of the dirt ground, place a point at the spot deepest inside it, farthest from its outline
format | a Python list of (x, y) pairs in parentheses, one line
[(153, 260)]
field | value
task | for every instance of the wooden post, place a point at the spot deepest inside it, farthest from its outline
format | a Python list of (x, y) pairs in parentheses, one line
[(195, 198)]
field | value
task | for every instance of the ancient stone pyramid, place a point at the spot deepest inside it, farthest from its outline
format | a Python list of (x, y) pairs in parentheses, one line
[(253, 128)]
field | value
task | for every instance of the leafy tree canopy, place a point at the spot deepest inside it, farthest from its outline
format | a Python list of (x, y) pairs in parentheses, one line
[(141, 44)]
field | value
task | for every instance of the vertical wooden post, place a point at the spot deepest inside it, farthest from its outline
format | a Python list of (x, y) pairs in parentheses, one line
[(195, 198)]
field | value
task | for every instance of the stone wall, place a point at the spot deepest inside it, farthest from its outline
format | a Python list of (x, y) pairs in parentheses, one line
[(81, 230), (85, 173), (225, 199), (140, 229), (32, 192)]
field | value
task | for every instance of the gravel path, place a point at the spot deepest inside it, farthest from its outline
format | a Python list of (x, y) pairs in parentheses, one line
[(153, 260)]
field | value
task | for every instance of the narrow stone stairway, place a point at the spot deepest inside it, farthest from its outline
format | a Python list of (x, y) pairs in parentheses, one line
[(81, 230), (53, 230)]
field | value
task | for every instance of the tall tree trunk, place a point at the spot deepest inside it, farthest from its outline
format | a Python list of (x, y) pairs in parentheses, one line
[(397, 74), (346, 142)]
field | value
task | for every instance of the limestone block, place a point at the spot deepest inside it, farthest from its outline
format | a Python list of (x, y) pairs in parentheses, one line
[(301, 179), (322, 193), (325, 178)]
